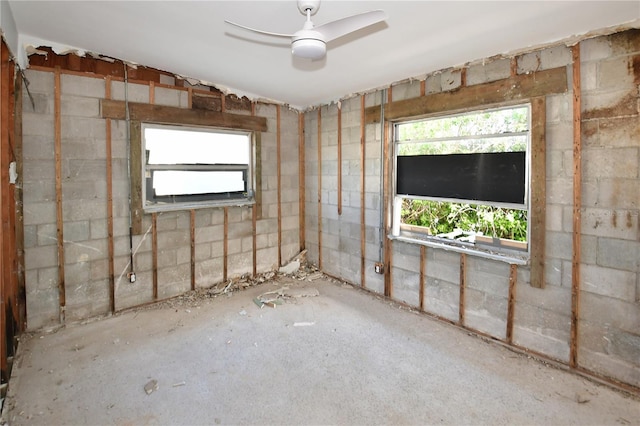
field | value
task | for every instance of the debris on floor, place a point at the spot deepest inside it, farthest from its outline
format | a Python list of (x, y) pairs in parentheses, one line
[(297, 269), (151, 386), (283, 294)]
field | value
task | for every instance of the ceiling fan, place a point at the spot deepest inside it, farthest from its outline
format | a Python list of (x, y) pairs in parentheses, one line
[(311, 42)]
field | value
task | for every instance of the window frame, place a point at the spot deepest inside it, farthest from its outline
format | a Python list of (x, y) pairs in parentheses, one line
[(191, 201), (416, 234)]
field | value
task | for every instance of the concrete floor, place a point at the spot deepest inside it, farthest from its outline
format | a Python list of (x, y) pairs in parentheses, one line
[(343, 357)]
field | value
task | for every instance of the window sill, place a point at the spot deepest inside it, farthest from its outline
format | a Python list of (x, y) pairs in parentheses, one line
[(200, 205), (512, 257)]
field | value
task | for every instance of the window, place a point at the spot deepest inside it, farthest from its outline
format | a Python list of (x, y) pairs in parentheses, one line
[(189, 167), (462, 179)]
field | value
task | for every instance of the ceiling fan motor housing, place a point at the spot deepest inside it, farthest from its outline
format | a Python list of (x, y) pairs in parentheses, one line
[(310, 48)]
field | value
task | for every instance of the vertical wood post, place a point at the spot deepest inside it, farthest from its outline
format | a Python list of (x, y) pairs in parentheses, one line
[(154, 253), (363, 228), (463, 285), (339, 169), (423, 262), (58, 172), (109, 159), (511, 303), (320, 188), (301, 182), (192, 232), (279, 180), (577, 205)]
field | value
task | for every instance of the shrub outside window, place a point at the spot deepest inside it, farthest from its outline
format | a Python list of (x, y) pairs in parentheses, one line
[(191, 167), (462, 179)]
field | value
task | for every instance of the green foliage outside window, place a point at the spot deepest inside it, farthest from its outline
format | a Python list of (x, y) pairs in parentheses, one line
[(444, 217)]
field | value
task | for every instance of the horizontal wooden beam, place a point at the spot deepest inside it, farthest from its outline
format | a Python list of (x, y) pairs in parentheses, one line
[(523, 86), (173, 115)]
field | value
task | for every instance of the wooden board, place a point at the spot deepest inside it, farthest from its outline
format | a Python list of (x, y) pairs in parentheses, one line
[(520, 87), (173, 115), (537, 209)]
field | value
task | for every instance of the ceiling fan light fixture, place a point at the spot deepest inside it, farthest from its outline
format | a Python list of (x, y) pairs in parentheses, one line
[(309, 48)]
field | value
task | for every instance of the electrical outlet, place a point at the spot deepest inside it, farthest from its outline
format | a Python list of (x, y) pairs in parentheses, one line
[(132, 277), (379, 268)]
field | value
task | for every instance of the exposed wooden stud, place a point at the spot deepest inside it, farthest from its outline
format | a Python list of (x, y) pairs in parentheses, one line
[(319, 188), (279, 181), (58, 171), (192, 228), (538, 211), (301, 182), (135, 156), (154, 253), (514, 66), (386, 197), (511, 303), (225, 243), (109, 160), (19, 225), (339, 160), (189, 98), (363, 228), (254, 210), (423, 262), (520, 87), (463, 284), (166, 114), (152, 93), (577, 205), (463, 77), (423, 87)]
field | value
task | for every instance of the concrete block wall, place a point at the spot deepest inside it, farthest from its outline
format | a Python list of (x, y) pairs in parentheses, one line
[(610, 290), (609, 318), (85, 213)]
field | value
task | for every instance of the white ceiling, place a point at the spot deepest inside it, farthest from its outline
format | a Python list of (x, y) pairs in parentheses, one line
[(189, 38)]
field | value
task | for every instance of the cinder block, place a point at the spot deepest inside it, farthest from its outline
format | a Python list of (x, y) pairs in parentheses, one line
[(88, 87), (39, 103), (608, 282), (450, 79), (619, 193), (486, 72), (76, 275), (170, 97), (620, 224), (40, 257), (37, 125), (442, 298), (433, 83), (76, 231), (619, 132), (618, 254), (38, 191), (85, 251), (485, 313), (79, 106), (406, 286), (43, 309), (615, 103), (595, 49), (555, 57), (40, 81), (37, 148), (134, 92), (167, 257), (406, 90)]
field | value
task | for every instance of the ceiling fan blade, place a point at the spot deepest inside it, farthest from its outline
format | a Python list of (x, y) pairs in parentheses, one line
[(259, 31), (341, 27)]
